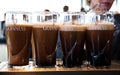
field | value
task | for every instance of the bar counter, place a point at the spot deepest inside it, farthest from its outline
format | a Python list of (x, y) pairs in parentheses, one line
[(114, 69)]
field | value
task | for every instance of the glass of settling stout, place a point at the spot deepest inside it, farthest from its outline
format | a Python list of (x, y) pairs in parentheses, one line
[(99, 39), (72, 35), (45, 34), (18, 36)]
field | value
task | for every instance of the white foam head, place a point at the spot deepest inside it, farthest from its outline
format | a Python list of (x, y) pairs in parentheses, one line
[(47, 26), (19, 25), (72, 28), (100, 26)]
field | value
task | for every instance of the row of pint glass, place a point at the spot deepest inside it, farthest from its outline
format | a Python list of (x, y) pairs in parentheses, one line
[(83, 37), (37, 31)]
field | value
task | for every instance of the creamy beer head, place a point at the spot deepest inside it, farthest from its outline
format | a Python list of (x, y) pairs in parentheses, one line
[(100, 26), (72, 28), (47, 26), (17, 27)]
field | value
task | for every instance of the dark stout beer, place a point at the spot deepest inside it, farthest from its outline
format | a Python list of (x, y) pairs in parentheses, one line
[(45, 40), (98, 44), (72, 41), (18, 42)]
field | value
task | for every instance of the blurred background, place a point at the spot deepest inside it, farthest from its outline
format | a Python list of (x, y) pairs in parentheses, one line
[(39, 5)]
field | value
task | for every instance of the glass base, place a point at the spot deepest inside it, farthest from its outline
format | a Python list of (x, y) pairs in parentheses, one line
[(18, 66), (59, 62)]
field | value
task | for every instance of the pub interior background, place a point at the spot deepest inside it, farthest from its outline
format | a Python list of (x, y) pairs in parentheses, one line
[(39, 5)]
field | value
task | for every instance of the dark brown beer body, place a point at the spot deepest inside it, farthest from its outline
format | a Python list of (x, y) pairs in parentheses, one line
[(18, 42), (72, 41), (99, 45), (45, 40)]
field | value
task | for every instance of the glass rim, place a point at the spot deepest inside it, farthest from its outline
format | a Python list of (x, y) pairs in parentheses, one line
[(19, 12)]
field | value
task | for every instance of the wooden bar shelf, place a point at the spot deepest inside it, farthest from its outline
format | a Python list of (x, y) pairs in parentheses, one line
[(114, 69)]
